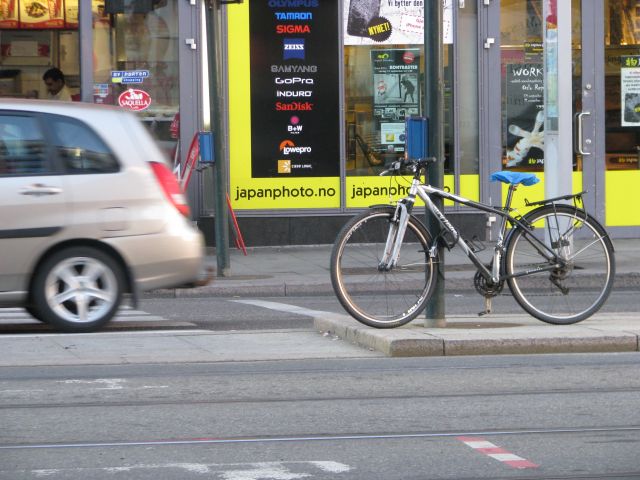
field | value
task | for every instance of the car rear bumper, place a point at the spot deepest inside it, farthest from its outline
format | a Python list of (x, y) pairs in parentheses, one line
[(163, 260)]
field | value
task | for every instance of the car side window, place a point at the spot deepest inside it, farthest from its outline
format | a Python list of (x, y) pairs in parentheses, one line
[(80, 149), (22, 146)]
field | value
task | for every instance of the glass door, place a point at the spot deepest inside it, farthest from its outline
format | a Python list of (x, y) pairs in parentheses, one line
[(620, 104), (523, 88)]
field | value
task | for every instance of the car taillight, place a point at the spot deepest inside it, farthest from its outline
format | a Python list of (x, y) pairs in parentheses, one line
[(171, 187)]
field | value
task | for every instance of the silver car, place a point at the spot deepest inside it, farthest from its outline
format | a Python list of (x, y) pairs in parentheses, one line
[(89, 212)]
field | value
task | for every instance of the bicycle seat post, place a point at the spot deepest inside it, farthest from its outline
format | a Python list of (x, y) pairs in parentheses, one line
[(507, 203)]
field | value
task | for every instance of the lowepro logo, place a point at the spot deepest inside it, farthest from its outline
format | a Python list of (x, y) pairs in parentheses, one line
[(292, 48), (287, 147)]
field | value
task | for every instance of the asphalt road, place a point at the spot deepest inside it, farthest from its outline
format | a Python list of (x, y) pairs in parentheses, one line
[(553, 416), (234, 314)]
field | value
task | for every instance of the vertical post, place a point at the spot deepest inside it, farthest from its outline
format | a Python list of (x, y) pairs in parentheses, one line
[(214, 42), (85, 38), (558, 130), (435, 316)]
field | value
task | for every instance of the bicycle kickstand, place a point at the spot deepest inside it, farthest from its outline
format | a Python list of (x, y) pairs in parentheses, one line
[(487, 306)]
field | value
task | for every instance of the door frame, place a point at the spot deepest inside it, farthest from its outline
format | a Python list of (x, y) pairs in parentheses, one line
[(593, 93)]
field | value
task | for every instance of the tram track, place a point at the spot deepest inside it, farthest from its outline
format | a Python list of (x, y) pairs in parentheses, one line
[(352, 398), (323, 437)]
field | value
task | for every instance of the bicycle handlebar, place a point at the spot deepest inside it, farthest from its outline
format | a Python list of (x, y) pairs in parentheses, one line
[(408, 165)]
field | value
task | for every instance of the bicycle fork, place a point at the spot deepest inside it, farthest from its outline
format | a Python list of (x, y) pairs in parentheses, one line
[(397, 229)]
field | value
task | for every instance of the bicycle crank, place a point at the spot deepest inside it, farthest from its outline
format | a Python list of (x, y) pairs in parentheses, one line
[(487, 289)]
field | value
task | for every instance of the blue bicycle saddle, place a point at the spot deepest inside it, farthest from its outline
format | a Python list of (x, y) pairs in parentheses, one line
[(514, 178)]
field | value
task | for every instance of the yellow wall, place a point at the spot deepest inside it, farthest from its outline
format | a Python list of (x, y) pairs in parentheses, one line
[(622, 192)]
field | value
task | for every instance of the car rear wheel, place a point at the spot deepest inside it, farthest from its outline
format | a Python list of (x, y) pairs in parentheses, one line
[(77, 289)]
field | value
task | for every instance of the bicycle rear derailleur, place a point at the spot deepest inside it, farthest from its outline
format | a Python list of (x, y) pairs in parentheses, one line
[(487, 289)]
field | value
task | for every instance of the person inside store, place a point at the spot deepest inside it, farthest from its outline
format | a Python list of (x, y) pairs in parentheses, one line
[(56, 87)]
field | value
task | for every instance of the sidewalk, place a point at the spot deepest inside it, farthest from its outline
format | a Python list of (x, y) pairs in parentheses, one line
[(289, 271)]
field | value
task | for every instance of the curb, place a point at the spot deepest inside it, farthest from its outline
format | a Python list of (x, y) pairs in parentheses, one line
[(414, 341)]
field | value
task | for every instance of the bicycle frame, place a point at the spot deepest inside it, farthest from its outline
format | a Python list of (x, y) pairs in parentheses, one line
[(424, 192)]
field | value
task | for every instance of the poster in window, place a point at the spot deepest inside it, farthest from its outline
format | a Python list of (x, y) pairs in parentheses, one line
[(396, 92), (630, 90), (294, 54), (524, 115), (370, 22), (9, 14), (41, 14)]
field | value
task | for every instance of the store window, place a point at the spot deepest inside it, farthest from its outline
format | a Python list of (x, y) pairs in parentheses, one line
[(622, 84), (466, 91), (383, 87), (136, 61), (34, 37), (522, 64), (135, 57)]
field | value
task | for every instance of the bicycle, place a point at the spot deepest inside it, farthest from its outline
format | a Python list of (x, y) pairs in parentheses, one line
[(557, 260)]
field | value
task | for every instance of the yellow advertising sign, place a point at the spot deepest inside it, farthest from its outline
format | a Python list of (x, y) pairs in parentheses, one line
[(264, 192)]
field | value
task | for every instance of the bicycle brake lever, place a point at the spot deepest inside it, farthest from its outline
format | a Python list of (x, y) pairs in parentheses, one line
[(395, 166)]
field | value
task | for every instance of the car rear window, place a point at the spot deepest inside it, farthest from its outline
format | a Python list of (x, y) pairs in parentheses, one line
[(22, 146), (80, 149)]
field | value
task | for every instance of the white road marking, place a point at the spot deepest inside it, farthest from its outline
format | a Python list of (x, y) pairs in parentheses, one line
[(224, 471), (110, 384), (11, 316), (282, 307), (103, 333)]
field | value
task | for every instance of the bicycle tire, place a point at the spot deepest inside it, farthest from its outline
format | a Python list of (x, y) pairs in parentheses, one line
[(382, 299), (564, 295)]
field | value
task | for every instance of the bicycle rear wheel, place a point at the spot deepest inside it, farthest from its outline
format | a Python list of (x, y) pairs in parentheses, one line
[(373, 296), (570, 293)]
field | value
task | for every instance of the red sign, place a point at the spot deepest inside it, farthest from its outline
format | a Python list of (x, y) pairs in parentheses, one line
[(134, 99)]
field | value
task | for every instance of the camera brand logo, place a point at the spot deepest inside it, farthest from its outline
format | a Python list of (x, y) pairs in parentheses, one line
[(287, 147), (284, 16), (284, 166), (282, 29), (294, 127), (293, 48)]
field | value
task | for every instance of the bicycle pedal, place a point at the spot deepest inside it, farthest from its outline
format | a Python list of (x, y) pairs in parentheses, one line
[(487, 307)]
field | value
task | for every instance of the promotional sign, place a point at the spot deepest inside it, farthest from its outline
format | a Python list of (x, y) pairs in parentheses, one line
[(294, 54), (9, 14), (524, 110), (630, 90), (129, 76), (369, 22), (396, 94), (41, 14), (134, 99), (283, 105)]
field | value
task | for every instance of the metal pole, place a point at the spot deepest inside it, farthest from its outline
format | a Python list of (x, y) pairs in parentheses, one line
[(558, 94), (214, 41), (435, 316)]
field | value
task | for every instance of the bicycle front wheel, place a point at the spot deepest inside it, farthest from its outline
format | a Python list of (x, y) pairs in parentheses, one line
[(371, 294), (571, 292)]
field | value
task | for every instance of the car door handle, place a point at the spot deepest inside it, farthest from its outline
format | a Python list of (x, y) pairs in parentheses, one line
[(38, 189)]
